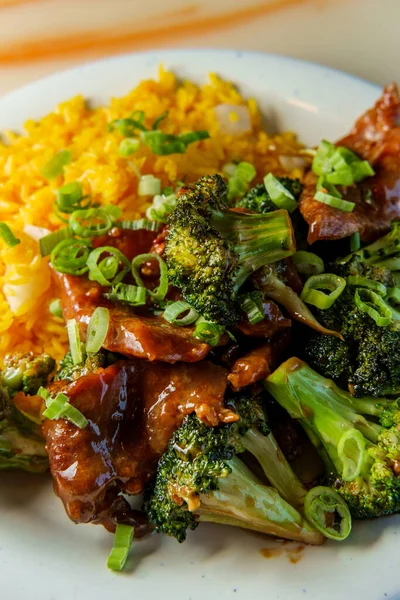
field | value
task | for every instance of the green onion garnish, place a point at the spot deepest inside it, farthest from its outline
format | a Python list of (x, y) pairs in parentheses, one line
[(122, 543), (55, 166), (339, 165), (128, 127), (279, 195), (149, 185), (173, 313), (107, 271), (114, 212), (159, 293), (334, 202), (351, 451), (308, 263), (159, 119), (75, 345), (207, 332), (60, 408), (128, 146), (355, 242), (364, 282), (373, 305), (252, 305), (236, 187), (55, 308), (91, 222), (161, 207), (139, 224), (312, 291), (7, 235), (328, 512), (194, 136), (43, 393), (163, 144), (130, 294), (70, 256), (50, 241), (97, 329), (70, 198)]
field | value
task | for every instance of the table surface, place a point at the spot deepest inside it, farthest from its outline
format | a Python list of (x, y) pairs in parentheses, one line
[(38, 37)]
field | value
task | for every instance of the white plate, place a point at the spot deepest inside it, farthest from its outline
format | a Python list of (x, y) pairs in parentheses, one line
[(43, 556)]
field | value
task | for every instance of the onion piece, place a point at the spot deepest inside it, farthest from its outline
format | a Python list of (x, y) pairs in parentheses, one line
[(233, 119), (36, 232), (289, 163)]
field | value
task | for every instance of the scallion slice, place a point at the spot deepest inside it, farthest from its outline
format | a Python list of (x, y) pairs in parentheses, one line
[(60, 408), (55, 308), (70, 198), (245, 171), (70, 256), (50, 241), (109, 270), (328, 512), (312, 291), (130, 294), (159, 119), (359, 280), (139, 224), (7, 235), (97, 329), (173, 313), (55, 166), (149, 185), (122, 543), (91, 222), (128, 146), (308, 263), (251, 304), (114, 212), (75, 345), (373, 305), (355, 242), (207, 332), (193, 136), (236, 187), (334, 202), (159, 293), (161, 207), (279, 195)]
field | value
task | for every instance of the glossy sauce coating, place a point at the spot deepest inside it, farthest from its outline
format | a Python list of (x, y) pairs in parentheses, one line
[(133, 407)]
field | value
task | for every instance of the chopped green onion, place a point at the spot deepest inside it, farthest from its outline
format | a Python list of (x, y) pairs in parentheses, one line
[(364, 282), (70, 256), (339, 165), (161, 207), (355, 242), (229, 169), (139, 224), (159, 293), (7, 235), (114, 212), (159, 119), (173, 313), (373, 305), (128, 146), (245, 171), (334, 202), (361, 170), (163, 144), (341, 177), (106, 271), (71, 198), (130, 294), (351, 451), (193, 136), (328, 512), (326, 187), (55, 166), (308, 263), (50, 241), (312, 293), (97, 329), (91, 222), (75, 345), (207, 332), (167, 191), (279, 195), (55, 308), (60, 408), (122, 543), (252, 305), (149, 185), (43, 393), (236, 187), (127, 127)]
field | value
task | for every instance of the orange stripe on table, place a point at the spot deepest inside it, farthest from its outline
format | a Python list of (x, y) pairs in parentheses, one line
[(8, 3), (110, 41)]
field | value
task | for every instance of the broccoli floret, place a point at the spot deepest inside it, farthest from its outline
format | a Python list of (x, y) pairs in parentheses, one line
[(201, 478), (68, 371), (21, 444), (361, 455), (258, 199), (27, 372), (368, 359), (211, 250)]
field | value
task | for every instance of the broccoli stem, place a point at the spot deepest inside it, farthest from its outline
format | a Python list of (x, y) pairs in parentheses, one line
[(20, 451), (275, 466), (241, 500)]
